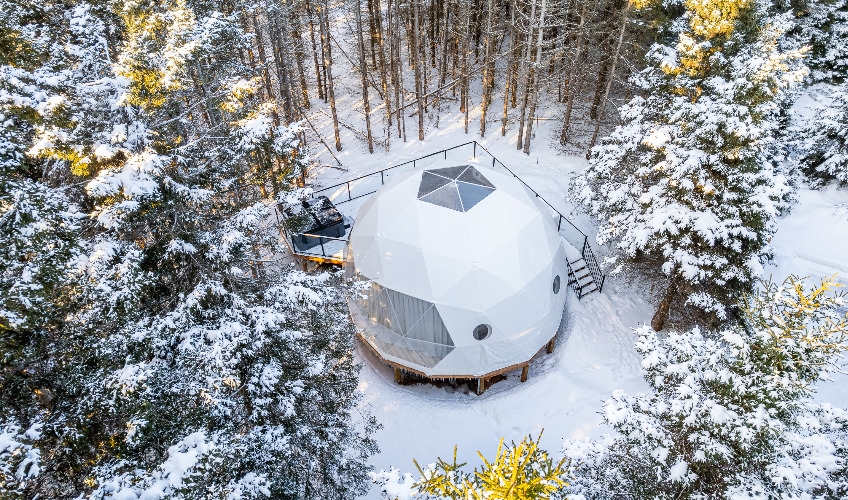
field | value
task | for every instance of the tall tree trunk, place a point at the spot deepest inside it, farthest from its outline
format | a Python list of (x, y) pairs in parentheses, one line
[(384, 67), (535, 80), (372, 32), (443, 65), (323, 19), (319, 78), (266, 78), (528, 80), (624, 16), (304, 89), (509, 79), (466, 53), (417, 62), (282, 65), (605, 73), (396, 63), (391, 60), (661, 316), (488, 67), (362, 71), (571, 86)]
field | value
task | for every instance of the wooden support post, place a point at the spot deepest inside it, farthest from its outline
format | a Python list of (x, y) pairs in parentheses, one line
[(524, 372), (481, 385), (398, 375), (551, 345)]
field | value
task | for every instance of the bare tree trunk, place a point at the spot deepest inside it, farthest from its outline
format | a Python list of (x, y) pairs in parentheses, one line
[(443, 66), (605, 73), (304, 89), (465, 55), (456, 49), (319, 79), (624, 16), (397, 73), (509, 79), (425, 68), (372, 31), (282, 64), (362, 71), (392, 60), (417, 62), (535, 80), (384, 77), (323, 18), (260, 45), (528, 80), (488, 68), (571, 89), (661, 316)]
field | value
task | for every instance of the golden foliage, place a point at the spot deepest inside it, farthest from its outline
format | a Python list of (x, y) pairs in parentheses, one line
[(520, 472), (711, 23), (802, 327), (713, 18)]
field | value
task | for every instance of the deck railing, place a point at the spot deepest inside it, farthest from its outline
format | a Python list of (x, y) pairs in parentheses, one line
[(321, 249), (365, 185)]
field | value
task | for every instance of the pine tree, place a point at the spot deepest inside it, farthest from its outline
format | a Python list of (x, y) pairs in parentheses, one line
[(520, 471), (825, 140), (824, 26), (690, 179), (823, 144), (730, 417)]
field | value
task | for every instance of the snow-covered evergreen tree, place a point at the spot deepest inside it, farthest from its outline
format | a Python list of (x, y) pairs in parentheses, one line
[(690, 180), (247, 391), (824, 145), (147, 350), (730, 417), (824, 25)]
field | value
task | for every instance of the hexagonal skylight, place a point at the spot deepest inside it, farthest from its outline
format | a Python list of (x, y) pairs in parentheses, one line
[(458, 188)]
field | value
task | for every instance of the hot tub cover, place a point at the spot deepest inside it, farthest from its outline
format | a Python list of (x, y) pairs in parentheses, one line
[(438, 273)]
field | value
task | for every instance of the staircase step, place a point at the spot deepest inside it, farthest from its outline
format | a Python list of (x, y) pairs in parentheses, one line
[(587, 284)]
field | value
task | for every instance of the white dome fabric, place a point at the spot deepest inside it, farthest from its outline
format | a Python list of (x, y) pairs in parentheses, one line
[(441, 268)]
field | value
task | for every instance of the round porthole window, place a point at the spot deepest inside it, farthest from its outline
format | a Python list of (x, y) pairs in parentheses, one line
[(482, 331), (556, 284)]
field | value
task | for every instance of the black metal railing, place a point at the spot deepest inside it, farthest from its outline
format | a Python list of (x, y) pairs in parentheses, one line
[(365, 185), (324, 247)]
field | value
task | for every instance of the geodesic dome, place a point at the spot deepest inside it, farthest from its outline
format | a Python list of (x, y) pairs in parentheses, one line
[(463, 272)]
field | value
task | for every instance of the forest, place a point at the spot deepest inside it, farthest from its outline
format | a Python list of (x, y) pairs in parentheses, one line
[(156, 343)]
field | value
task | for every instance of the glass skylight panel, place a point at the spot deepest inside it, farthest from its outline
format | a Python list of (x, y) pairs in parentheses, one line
[(446, 196), (449, 172), (458, 188), (431, 182), (471, 194), (473, 176)]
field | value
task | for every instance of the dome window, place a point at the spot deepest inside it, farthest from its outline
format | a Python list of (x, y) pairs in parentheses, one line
[(482, 331)]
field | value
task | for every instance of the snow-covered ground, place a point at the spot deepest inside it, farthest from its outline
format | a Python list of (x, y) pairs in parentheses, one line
[(595, 354)]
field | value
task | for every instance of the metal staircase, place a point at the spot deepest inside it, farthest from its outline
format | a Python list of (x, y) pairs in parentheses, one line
[(580, 279), (584, 273)]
